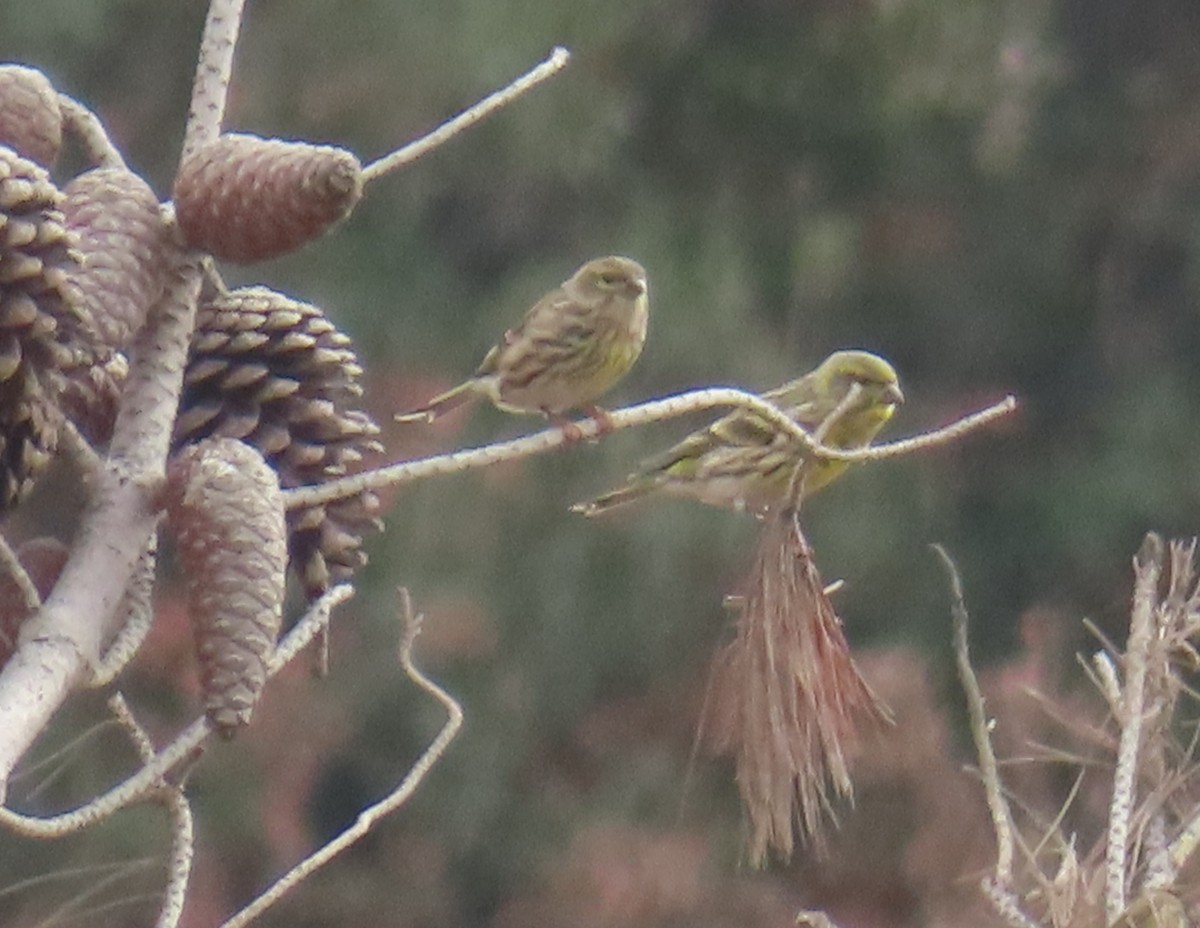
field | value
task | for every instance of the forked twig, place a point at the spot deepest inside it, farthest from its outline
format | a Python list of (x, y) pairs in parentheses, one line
[(369, 816), (467, 118), (183, 838)]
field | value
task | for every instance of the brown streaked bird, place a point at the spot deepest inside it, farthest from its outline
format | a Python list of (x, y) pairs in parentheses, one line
[(572, 346), (744, 461)]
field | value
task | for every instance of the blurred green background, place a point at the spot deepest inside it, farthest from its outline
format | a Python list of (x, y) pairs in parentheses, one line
[(998, 195)]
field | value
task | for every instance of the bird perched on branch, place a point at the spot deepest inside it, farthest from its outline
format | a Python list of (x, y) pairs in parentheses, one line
[(745, 461), (573, 345)]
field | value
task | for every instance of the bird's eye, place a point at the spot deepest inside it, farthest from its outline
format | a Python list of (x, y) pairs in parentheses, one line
[(609, 280)]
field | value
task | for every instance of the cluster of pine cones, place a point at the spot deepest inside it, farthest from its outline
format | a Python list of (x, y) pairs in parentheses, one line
[(269, 379)]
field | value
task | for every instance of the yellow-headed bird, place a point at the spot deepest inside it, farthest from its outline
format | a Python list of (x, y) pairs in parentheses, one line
[(744, 461)]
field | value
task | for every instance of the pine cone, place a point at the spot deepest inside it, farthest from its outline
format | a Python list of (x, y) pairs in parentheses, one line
[(42, 332), (124, 247), (243, 198), (226, 511), (30, 120), (276, 374)]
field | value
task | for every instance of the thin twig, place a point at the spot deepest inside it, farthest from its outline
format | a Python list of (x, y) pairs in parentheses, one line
[(11, 565), (138, 609), (641, 414), (179, 862), (1002, 822), (179, 750), (71, 440), (214, 69), (1005, 904), (1147, 568), (88, 129), (465, 120), (401, 794)]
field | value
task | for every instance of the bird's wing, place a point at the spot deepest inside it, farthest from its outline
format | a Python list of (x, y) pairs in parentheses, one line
[(740, 429), (550, 331)]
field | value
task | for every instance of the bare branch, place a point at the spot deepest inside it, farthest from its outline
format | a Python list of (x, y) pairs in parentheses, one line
[(210, 88), (1004, 903), (1147, 568), (467, 118), (179, 864), (641, 414), (1002, 822), (369, 816)]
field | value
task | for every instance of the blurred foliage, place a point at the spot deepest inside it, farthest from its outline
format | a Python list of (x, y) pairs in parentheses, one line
[(996, 196)]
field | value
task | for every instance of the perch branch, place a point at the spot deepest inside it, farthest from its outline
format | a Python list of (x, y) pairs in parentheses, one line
[(641, 414), (369, 816), (467, 118)]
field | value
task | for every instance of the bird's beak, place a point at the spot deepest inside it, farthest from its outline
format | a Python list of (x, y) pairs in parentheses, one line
[(638, 286), (893, 394)]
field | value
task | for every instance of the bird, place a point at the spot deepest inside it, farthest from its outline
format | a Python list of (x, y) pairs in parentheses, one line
[(574, 344), (745, 461)]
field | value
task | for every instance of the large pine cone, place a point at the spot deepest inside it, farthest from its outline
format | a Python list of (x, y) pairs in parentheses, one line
[(226, 511), (124, 245), (43, 334), (276, 374), (243, 198)]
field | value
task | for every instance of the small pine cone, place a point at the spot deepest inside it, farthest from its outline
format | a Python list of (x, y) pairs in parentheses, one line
[(243, 198), (42, 332), (276, 373), (30, 119), (225, 509), (124, 247)]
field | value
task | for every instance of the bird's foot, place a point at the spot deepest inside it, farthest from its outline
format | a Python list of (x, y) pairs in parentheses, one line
[(604, 422), (572, 433)]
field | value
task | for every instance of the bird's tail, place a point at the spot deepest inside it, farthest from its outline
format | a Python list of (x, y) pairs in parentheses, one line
[(464, 393), (619, 497)]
